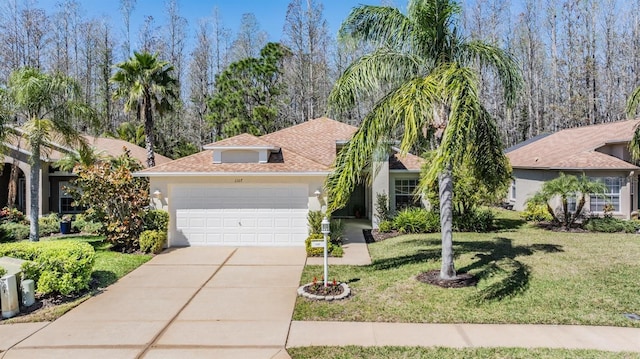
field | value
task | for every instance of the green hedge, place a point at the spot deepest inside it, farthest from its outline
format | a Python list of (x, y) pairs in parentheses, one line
[(611, 225), (152, 241), (14, 231), (56, 266)]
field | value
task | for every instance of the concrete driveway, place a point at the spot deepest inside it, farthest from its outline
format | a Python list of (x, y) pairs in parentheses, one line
[(213, 302)]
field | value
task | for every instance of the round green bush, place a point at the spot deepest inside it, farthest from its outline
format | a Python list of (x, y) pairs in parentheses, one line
[(152, 241), (385, 226), (156, 220)]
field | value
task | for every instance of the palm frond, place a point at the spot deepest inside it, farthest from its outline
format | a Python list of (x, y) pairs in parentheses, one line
[(408, 109), (633, 102), (505, 66), (370, 72), (381, 25)]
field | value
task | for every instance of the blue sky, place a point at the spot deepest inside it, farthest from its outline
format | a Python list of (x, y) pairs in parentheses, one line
[(270, 13)]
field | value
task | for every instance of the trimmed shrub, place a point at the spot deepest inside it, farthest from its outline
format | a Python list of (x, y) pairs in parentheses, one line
[(156, 220), (337, 251), (611, 225), (49, 224), (382, 207), (152, 241), (56, 266), (2, 272), (15, 231), (475, 220), (385, 226), (536, 212), (316, 252)]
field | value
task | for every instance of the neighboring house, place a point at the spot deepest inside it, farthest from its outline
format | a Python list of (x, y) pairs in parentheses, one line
[(52, 196), (599, 151), (248, 190)]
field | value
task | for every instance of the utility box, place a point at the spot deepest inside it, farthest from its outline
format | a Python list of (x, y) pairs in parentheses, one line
[(28, 292), (13, 266), (9, 301)]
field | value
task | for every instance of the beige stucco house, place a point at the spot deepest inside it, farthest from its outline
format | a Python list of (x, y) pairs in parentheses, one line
[(52, 180), (248, 190), (599, 151)]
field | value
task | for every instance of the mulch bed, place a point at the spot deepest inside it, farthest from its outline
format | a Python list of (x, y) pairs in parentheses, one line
[(372, 236), (462, 280), (320, 289)]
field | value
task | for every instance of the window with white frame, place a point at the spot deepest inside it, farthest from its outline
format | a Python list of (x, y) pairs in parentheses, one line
[(611, 195), (405, 193)]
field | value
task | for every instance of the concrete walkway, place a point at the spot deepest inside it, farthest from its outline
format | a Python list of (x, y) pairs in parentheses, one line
[(188, 302), (614, 339), (355, 248)]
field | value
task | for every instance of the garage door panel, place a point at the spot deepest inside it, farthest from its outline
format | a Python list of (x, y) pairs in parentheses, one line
[(250, 215)]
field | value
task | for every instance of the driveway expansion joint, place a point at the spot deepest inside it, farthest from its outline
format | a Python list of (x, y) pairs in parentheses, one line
[(164, 329)]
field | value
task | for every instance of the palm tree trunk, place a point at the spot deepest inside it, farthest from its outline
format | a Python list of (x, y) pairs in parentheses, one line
[(148, 130), (448, 270), (34, 190)]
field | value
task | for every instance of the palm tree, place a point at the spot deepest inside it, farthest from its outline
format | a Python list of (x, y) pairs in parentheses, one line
[(45, 104), (565, 187), (147, 86), (427, 67)]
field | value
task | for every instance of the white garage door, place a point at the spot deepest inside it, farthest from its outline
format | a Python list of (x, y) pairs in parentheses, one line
[(268, 215)]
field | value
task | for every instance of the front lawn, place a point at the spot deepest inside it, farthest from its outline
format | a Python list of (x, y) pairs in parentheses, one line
[(353, 352), (527, 275), (108, 267)]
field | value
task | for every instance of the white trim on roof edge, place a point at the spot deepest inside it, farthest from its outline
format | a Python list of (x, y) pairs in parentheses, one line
[(226, 174)]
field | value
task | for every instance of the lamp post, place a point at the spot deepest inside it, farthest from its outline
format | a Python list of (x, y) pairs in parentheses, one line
[(326, 228)]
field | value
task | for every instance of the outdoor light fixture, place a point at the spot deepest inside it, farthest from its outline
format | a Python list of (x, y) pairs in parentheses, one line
[(157, 193), (325, 226), (317, 193)]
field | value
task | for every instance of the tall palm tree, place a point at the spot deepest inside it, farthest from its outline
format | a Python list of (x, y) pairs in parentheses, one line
[(45, 105), (632, 106), (147, 85), (427, 70)]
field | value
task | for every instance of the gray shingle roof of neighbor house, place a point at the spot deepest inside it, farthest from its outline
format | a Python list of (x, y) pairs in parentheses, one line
[(309, 147), (576, 148)]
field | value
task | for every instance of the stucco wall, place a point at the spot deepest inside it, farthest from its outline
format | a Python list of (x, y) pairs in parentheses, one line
[(529, 182), (164, 184)]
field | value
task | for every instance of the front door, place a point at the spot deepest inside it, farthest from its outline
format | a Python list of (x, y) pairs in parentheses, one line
[(356, 206)]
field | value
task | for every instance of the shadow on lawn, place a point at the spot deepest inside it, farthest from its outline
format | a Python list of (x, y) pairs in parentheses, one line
[(495, 262)]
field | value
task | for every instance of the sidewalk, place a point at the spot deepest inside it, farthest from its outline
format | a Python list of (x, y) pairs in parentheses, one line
[(614, 339), (355, 248)]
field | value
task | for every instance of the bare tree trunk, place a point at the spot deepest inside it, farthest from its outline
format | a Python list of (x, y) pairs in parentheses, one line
[(13, 185), (447, 270)]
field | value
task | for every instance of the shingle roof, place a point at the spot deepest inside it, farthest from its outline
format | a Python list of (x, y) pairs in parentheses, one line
[(109, 146), (576, 148), (244, 139), (306, 147), (115, 147)]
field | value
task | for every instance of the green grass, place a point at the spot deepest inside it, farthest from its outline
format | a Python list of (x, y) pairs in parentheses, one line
[(108, 268), (527, 275), (353, 352)]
